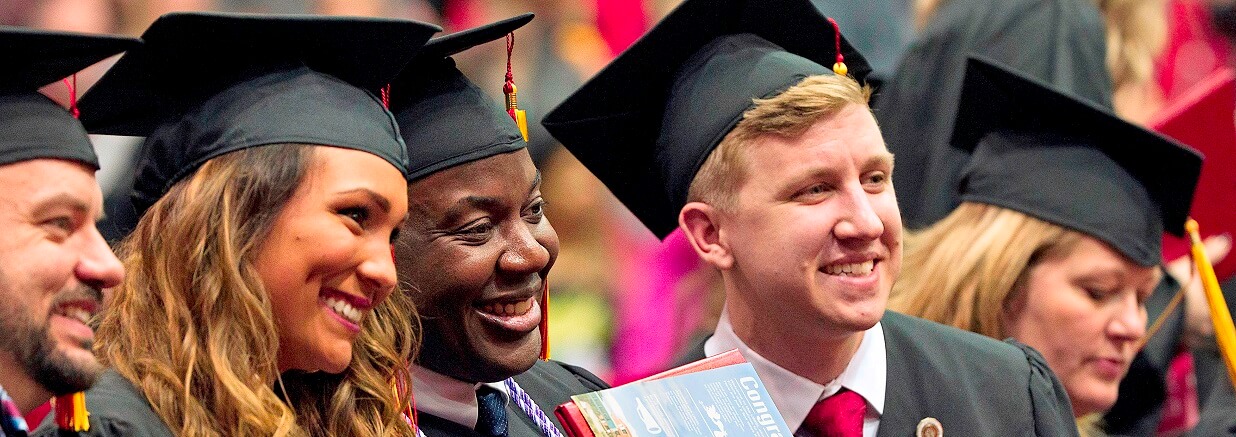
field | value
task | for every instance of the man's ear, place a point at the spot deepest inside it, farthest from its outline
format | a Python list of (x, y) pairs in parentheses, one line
[(701, 223)]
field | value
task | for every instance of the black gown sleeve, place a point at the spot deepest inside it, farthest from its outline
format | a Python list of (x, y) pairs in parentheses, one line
[(1218, 410), (585, 377), (1053, 413)]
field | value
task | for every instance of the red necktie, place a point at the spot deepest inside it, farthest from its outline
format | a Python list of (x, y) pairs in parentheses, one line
[(839, 415)]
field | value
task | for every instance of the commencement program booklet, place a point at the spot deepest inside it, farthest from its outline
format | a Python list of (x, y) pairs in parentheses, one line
[(725, 401)]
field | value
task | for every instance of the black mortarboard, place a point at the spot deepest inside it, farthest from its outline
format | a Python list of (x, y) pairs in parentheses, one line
[(444, 118), (1061, 42), (206, 84), (32, 125), (645, 123), (1071, 162)]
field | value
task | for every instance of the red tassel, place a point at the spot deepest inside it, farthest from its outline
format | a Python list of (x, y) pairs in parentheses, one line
[(545, 320), (409, 411), (386, 103), (71, 414), (838, 67), (73, 96), (512, 92)]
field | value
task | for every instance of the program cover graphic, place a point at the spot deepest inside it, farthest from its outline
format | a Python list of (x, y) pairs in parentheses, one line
[(726, 401)]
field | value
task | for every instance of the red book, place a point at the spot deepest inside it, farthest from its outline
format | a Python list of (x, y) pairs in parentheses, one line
[(573, 420), (1205, 119)]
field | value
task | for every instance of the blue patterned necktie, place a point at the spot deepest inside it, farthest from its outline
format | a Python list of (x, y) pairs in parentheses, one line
[(491, 416)]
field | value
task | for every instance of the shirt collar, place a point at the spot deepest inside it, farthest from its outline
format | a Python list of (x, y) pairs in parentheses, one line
[(795, 395), (449, 398), (11, 414)]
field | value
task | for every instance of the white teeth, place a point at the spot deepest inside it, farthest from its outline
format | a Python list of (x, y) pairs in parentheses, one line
[(345, 309), (81, 315), (75, 313), (508, 309), (855, 269)]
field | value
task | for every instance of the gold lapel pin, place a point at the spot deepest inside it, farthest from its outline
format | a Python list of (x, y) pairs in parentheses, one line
[(929, 427)]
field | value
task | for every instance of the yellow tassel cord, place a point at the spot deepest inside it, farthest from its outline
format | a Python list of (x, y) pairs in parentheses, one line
[(1225, 332), (71, 414)]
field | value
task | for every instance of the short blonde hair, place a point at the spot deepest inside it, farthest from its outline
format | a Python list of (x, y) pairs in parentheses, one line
[(972, 266), (788, 114)]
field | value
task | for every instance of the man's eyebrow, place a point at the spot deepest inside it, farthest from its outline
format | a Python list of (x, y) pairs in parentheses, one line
[(379, 199), (885, 159), (466, 203), (63, 200), (536, 183)]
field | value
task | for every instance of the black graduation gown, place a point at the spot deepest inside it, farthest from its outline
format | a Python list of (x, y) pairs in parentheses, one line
[(116, 409), (1058, 41), (1218, 411), (549, 383), (973, 385)]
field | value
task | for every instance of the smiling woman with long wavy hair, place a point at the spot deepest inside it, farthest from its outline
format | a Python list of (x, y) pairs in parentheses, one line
[(263, 296), (192, 326)]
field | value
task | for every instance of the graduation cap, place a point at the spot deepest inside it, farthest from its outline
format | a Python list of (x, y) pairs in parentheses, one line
[(444, 118), (206, 84), (432, 100), (645, 124), (1071, 162), (32, 125), (1059, 41), (1205, 118)]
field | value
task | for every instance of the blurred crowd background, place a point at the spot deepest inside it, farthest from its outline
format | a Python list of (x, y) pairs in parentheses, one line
[(624, 303)]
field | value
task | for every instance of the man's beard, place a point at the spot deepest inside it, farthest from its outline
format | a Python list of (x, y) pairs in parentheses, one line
[(33, 347)]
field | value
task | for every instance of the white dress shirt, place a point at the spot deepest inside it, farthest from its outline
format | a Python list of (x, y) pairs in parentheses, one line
[(449, 398), (795, 395)]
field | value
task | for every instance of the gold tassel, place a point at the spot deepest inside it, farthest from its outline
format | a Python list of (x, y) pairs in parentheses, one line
[(840, 69), (71, 413), (512, 108), (1225, 332)]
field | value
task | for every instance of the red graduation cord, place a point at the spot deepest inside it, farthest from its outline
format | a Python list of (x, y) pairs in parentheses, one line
[(73, 96), (544, 320), (512, 92), (386, 97), (509, 87), (839, 67)]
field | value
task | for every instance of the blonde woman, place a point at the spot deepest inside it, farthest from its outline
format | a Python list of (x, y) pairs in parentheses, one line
[(269, 194), (1057, 240)]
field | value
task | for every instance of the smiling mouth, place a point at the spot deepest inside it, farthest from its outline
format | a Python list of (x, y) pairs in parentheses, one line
[(509, 315), (81, 311), (850, 269), (349, 308), (345, 310), (506, 309)]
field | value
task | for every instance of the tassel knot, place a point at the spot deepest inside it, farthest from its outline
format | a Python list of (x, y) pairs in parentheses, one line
[(838, 67), (512, 93)]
